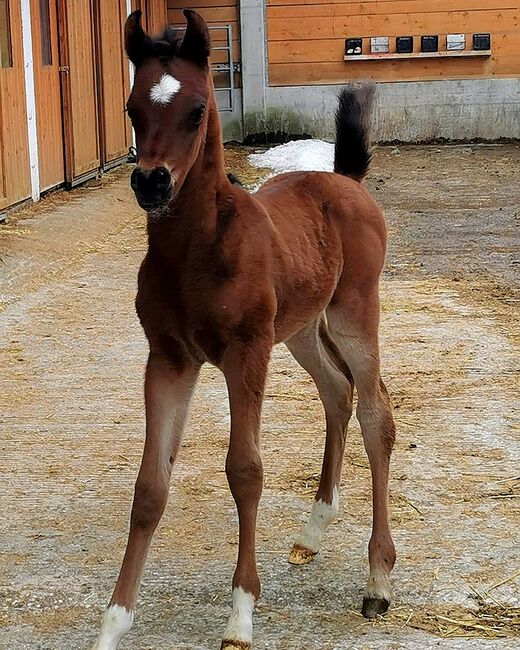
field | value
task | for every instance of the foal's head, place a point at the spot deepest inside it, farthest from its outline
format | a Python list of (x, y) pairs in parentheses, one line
[(168, 106)]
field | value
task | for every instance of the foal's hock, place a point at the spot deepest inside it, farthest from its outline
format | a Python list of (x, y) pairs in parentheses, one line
[(228, 275)]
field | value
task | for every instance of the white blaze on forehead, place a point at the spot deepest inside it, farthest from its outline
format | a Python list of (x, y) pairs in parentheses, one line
[(164, 90)]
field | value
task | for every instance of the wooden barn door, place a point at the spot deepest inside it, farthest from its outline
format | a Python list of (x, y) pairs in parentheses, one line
[(113, 81), (15, 184), (79, 88), (154, 14), (46, 67)]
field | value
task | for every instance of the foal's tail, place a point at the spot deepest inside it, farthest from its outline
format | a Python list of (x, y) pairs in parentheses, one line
[(352, 150)]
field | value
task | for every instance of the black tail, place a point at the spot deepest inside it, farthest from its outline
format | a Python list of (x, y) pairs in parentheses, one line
[(352, 150)]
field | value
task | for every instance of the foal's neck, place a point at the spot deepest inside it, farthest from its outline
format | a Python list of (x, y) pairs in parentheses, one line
[(194, 212)]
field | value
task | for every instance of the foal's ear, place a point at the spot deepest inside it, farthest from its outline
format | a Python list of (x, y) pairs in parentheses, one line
[(196, 43), (137, 42)]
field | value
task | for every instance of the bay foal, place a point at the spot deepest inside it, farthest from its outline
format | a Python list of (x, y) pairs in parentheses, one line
[(228, 275)]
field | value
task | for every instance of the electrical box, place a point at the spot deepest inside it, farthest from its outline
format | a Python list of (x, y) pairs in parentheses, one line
[(481, 41), (455, 42), (429, 43), (353, 46), (379, 44), (404, 44)]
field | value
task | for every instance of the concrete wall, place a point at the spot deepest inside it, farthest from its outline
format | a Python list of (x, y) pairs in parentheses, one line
[(411, 112), (231, 121)]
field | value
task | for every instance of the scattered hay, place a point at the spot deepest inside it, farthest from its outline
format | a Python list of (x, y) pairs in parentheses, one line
[(48, 620), (236, 162), (487, 622)]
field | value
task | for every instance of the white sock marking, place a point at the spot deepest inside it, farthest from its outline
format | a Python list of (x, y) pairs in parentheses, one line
[(378, 586), (163, 91), (117, 621), (322, 515), (240, 626)]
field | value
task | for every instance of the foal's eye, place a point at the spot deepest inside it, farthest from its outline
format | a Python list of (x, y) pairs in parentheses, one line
[(197, 114)]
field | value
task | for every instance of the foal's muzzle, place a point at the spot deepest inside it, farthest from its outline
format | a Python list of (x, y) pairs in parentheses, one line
[(153, 187)]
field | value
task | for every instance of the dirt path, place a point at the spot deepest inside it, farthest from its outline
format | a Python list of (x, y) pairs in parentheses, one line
[(71, 432)]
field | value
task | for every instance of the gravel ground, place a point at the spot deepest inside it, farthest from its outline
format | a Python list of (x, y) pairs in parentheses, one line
[(71, 432)]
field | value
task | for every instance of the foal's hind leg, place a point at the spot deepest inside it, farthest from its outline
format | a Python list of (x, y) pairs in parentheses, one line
[(310, 348), (354, 328)]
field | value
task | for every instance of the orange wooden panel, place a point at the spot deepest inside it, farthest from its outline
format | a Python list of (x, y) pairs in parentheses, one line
[(392, 25), (201, 4), (295, 74), (300, 9), (48, 99), (126, 81), (306, 38), (157, 17), (15, 184), (329, 50), (80, 102), (405, 6), (210, 15), (112, 80)]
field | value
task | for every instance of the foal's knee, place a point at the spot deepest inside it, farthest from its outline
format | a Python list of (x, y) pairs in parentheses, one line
[(245, 476), (149, 502)]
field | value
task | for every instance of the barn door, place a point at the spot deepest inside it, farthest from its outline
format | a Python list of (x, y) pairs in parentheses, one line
[(113, 81), (15, 184), (46, 67), (154, 14), (80, 108)]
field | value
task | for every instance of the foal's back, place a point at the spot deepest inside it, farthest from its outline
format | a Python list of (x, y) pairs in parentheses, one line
[(329, 236)]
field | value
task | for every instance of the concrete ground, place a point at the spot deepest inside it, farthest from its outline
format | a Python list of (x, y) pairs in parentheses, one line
[(71, 432)]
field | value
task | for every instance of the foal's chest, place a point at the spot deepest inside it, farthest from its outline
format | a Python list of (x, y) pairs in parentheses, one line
[(184, 314)]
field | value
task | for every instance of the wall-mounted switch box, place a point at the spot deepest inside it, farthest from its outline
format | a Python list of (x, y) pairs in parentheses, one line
[(404, 44), (481, 41), (455, 42), (429, 43), (379, 44), (353, 46)]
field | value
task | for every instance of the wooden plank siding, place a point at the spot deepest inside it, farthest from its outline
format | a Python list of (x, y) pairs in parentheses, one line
[(306, 39), (113, 81), (15, 183), (48, 96), (214, 12), (81, 116)]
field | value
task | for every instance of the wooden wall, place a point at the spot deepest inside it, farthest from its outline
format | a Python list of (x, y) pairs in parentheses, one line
[(214, 12), (154, 14), (306, 38), (113, 81), (15, 184)]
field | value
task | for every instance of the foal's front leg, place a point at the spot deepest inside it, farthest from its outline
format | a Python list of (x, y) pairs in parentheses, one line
[(167, 396), (245, 368)]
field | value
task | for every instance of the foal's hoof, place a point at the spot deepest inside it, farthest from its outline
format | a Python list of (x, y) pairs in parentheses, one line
[(374, 606), (300, 555), (235, 645)]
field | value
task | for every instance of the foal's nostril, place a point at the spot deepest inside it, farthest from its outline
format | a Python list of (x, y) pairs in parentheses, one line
[(161, 177), (137, 179)]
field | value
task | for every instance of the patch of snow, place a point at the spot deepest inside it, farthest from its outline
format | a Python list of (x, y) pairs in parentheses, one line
[(297, 155)]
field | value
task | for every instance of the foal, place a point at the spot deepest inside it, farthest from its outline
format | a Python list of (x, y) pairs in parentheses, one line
[(228, 275)]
